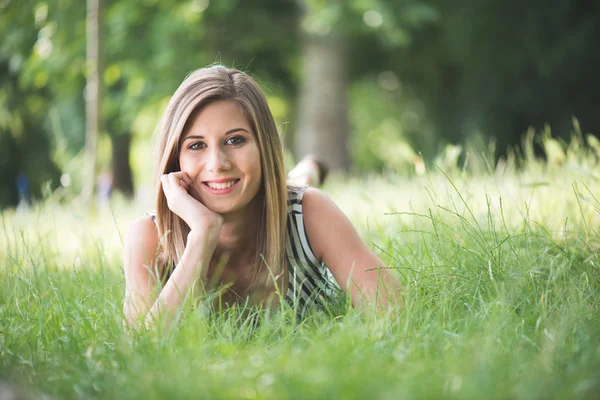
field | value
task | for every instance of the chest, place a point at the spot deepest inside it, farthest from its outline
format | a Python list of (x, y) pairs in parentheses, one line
[(232, 281)]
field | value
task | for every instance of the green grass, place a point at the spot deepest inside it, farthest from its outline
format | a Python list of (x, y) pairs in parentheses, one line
[(502, 284)]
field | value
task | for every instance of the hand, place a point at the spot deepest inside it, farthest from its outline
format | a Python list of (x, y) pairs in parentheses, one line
[(200, 219)]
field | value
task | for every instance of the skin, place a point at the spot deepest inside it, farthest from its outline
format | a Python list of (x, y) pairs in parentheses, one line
[(220, 145)]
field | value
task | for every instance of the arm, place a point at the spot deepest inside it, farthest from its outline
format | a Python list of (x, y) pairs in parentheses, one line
[(358, 271), (144, 297)]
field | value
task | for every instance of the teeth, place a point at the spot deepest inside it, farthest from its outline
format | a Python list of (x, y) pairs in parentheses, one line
[(221, 185)]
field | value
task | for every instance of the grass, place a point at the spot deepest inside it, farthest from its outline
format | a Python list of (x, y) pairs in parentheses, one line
[(502, 284)]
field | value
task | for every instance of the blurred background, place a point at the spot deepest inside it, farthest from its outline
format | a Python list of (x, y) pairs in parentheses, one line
[(370, 86)]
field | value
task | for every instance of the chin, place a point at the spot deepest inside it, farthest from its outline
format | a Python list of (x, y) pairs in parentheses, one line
[(225, 207), (243, 201), (222, 209)]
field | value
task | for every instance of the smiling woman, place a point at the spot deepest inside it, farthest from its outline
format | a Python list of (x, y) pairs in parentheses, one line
[(219, 152), (225, 214)]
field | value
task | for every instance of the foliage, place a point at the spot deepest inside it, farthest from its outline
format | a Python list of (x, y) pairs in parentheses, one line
[(24, 101), (149, 48), (381, 139), (458, 73), (495, 68)]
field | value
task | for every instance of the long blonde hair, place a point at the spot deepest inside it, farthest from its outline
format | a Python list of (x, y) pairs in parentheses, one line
[(200, 88)]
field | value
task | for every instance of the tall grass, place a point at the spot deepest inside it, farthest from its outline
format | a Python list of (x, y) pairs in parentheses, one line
[(501, 280)]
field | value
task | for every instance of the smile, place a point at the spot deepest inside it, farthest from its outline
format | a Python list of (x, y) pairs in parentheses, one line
[(221, 187)]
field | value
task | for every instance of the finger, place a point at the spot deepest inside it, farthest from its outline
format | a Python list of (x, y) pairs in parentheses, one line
[(169, 181), (164, 179), (179, 174), (184, 177), (176, 181)]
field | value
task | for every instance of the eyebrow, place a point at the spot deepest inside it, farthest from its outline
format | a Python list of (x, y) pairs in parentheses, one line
[(229, 132)]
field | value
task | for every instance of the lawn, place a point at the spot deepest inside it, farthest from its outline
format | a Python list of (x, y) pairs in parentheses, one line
[(501, 276)]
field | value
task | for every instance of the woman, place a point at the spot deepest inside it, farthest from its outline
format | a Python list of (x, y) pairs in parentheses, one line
[(224, 213)]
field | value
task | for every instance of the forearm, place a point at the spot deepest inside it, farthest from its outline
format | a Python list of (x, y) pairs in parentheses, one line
[(389, 291), (192, 268), (379, 289)]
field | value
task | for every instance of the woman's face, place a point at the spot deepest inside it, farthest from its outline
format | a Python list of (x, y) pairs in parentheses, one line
[(220, 154)]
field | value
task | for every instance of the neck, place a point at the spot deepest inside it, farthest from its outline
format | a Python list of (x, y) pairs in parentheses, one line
[(240, 228)]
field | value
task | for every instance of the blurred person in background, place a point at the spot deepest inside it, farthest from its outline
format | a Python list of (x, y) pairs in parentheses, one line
[(226, 214), (22, 183), (310, 171), (104, 186)]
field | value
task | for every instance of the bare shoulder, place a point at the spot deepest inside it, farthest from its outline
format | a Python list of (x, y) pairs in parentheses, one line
[(141, 241), (313, 196), (323, 220), (316, 204)]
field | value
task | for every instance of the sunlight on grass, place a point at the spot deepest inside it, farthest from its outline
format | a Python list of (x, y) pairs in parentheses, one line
[(501, 278)]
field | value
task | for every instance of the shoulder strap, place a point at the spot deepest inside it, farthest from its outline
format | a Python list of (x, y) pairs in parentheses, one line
[(295, 194), (152, 214)]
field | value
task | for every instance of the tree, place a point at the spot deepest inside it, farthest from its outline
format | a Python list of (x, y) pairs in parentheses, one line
[(334, 36), (94, 91), (24, 101), (496, 68), (173, 38), (323, 120)]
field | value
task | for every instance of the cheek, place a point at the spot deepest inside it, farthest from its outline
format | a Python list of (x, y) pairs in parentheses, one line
[(186, 164), (255, 165), (249, 161)]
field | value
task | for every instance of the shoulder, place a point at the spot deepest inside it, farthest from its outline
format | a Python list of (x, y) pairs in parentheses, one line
[(315, 201), (323, 220), (141, 240), (143, 226)]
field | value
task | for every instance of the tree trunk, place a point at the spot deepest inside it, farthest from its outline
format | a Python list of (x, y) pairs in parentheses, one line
[(93, 95), (121, 168), (323, 108)]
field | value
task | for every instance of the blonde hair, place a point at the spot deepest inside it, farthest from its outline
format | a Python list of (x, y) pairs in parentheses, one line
[(200, 88)]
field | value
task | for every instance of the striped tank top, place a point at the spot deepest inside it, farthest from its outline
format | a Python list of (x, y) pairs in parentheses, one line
[(310, 282)]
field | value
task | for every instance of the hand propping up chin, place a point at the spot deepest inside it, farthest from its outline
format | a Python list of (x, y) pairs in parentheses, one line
[(200, 219)]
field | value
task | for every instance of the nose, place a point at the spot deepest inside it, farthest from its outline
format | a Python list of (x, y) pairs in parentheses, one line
[(218, 160)]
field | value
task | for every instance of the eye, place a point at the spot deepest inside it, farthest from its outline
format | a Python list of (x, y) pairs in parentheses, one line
[(197, 146), (236, 140)]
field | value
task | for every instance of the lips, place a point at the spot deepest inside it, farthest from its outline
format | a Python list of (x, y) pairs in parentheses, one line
[(221, 186)]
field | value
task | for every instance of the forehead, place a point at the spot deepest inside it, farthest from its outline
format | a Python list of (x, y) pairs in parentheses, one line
[(216, 118)]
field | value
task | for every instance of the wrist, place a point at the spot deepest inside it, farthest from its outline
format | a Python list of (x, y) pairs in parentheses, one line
[(196, 238), (197, 253)]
